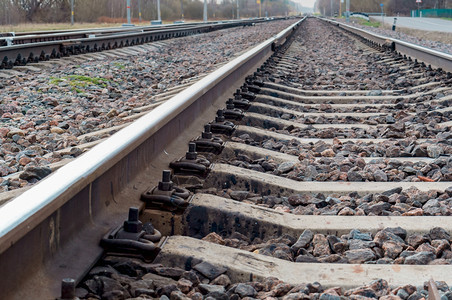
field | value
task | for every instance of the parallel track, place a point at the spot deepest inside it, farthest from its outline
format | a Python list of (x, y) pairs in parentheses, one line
[(94, 192), (33, 48)]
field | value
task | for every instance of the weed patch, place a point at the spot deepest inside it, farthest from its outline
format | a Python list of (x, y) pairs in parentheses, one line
[(79, 83)]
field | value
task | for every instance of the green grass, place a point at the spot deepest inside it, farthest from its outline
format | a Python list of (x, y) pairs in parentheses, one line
[(367, 23), (79, 83), (372, 24), (119, 66), (448, 19)]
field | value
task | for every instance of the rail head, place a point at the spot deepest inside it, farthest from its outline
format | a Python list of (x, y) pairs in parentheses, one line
[(428, 56), (22, 214)]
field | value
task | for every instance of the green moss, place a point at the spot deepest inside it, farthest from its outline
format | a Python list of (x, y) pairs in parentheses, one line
[(78, 83), (85, 80), (55, 81), (119, 66)]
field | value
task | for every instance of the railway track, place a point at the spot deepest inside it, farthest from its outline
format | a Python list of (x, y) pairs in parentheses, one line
[(327, 174), (42, 46), (124, 84)]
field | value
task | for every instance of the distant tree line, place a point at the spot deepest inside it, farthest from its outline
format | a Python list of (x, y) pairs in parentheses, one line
[(390, 7), (51, 11)]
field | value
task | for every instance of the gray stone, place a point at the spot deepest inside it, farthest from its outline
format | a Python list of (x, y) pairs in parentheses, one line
[(354, 244), (360, 256), (286, 166), (396, 190), (35, 173), (174, 273), (114, 295), (208, 270), (139, 286), (329, 297), (421, 258), (167, 290), (178, 295), (310, 172), (354, 176), (239, 195), (191, 276), (103, 271), (358, 235), (109, 284), (93, 286), (217, 296), (439, 233), (379, 175), (449, 191), (210, 288), (303, 241), (222, 280), (386, 235), (402, 294), (399, 231), (294, 296), (245, 290), (378, 208), (434, 151), (159, 280)]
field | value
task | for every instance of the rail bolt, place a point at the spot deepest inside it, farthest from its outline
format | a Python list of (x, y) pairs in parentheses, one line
[(166, 184), (191, 154), (207, 134), (133, 225), (68, 289)]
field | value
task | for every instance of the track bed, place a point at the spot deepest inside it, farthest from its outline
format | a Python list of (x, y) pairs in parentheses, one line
[(334, 178), (327, 175)]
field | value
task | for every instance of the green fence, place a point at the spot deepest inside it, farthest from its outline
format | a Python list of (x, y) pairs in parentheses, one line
[(432, 13)]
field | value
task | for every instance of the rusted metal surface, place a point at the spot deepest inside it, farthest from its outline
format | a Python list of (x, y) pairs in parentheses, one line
[(52, 231)]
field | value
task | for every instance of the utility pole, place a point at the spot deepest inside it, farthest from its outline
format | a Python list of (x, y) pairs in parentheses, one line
[(182, 9), (238, 9), (260, 7), (331, 8), (205, 11), (129, 22), (347, 10), (139, 10), (72, 12), (158, 11)]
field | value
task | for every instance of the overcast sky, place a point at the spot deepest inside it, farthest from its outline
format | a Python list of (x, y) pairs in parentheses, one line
[(307, 3)]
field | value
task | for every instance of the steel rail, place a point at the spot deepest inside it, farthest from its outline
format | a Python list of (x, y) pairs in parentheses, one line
[(43, 36), (52, 230), (428, 56), (65, 32), (21, 54)]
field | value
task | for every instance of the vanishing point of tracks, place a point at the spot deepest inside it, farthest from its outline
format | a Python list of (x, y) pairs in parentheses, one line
[(326, 174)]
